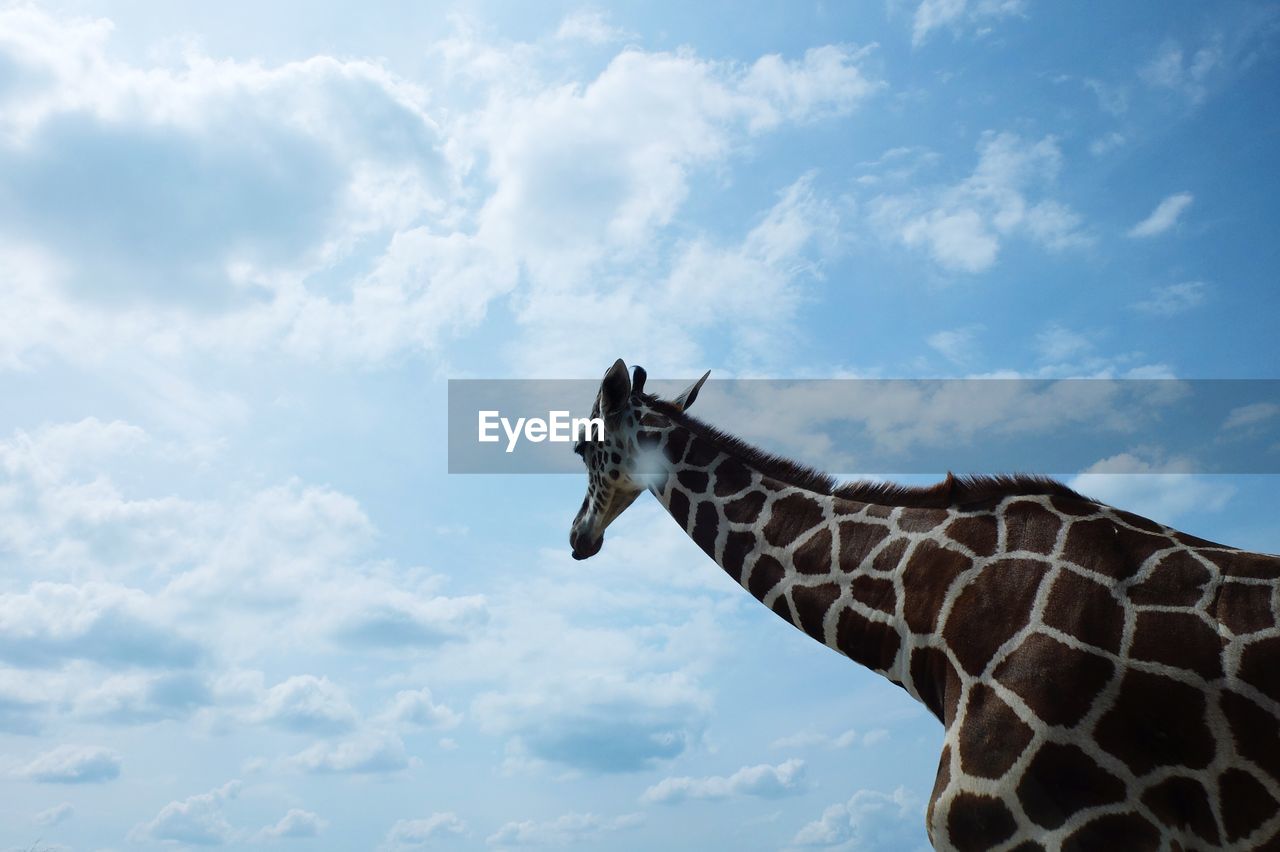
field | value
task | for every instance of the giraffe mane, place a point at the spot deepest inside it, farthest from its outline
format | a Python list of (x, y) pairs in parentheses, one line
[(965, 490)]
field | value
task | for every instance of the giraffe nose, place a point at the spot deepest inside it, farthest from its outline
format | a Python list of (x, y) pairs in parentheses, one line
[(583, 546)]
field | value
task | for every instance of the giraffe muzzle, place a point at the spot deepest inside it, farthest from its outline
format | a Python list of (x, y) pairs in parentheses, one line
[(583, 546)]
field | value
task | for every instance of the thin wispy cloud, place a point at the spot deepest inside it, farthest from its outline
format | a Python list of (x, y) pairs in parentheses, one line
[(1173, 299), (764, 780), (1164, 217), (73, 764)]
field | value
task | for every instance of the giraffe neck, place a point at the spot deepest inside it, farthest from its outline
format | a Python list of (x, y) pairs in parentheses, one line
[(834, 568)]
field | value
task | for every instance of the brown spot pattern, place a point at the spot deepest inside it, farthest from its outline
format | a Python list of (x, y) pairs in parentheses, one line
[(1181, 802), (875, 592), (694, 481), (868, 642), (976, 532), (921, 520), (1086, 610), (764, 576), (994, 606), (1061, 781), (1176, 581), (1244, 608), (1246, 804), (791, 516), (925, 580), (1179, 639), (1129, 832), (857, 540), (992, 736), (1030, 526), (814, 556), (705, 525), (1156, 721), (1057, 682), (976, 822), (812, 603), (1259, 667), (745, 509)]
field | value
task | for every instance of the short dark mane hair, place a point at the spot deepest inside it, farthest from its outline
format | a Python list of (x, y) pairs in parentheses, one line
[(961, 491)]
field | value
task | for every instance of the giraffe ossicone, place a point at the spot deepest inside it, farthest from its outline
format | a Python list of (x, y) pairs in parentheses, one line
[(1105, 682)]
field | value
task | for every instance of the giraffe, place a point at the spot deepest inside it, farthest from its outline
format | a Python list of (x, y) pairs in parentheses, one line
[(1104, 682)]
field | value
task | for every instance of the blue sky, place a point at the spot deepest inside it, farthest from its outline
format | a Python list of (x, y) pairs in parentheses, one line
[(243, 245)]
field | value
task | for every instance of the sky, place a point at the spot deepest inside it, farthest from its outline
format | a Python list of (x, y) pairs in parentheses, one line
[(243, 247)]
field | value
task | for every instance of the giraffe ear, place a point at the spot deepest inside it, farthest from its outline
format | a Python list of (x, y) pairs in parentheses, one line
[(615, 390), (638, 375), (689, 394)]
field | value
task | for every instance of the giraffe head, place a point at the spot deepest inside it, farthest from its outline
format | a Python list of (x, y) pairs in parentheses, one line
[(620, 466)]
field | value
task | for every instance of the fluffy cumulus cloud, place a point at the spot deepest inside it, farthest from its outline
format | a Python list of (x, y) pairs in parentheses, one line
[(962, 226), (870, 820), (73, 764), (371, 752), (295, 824), (329, 206), (609, 725), (416, 707), (765, 780), (748, 288), (99, 622), (307, 703), (1164, 217), (196, 820), (566, 830), (422, 833)]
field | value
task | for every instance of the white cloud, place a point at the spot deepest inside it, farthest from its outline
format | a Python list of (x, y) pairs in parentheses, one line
[(297, 823), (101, 622), (591, 26), (195, 820), (961, 226), (868, 820), (307, 703), (1173, 299), (422, 833), (55, 815), (1164, 217), (931, 15), (1106, 143), (1189, 76), (562, 831), (369, 752), (765, 780), (416, 707), (73, 764), (812, 739), (1056, 343), (139, 698), (609, 724), (1160, 491), (1250, 415), (379, 617), (328, 211), (958, 345)]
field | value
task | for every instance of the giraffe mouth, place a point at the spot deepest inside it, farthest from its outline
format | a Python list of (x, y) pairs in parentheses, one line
[(584, 548)]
